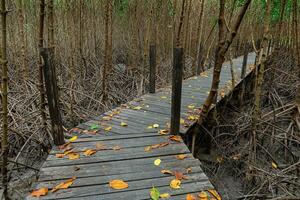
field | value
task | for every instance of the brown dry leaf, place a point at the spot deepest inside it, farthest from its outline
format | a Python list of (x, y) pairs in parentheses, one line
[(106, 118), (214, 193), (175, 138), (188, 170), (100, 146), (108, 128), (179, 175), (61, 147), (160, 145), (165, 171), (181, 156), (220, 159), (64, 185), (148, 148), (73, 156), (190, 197), (118, 184), (89, 152), (175, 184), (163, 132), (59, 155), (116, 148), (66, 152), (203, 196), (39, 192)]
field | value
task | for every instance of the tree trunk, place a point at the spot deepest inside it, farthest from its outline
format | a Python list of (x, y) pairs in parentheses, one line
[(24, 68), (4, 143)]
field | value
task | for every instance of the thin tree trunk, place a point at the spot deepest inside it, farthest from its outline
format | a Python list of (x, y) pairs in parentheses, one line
[(4, 143), (40, 63), (23, 69), (260, 78), (179, 31), (198, 48), (50, 24)]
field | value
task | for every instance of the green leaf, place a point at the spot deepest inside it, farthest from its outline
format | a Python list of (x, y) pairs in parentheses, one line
[(154, 193), (94, 127)]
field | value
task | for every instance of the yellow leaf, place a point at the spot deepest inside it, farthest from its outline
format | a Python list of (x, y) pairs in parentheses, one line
[(165, 196), (274, 165), (163, 97), (190, 197), (192, 117), (181, 156), (106, 118), (207, 92), (73, 156), (150, 127), (191, 106), (89, 152), (165, 171), (204, 74), (175, 184), (188, 170), (73, 139), (182, 121), (157, 162), (155, 125), (203, 196), (108, 128), (123, 124), (118, 184), (137, 108), (39, 192), (64, 185), (163, 132), (214, 193)]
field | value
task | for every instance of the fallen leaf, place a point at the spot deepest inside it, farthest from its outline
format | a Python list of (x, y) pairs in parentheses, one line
[(150, 127), (94, 127), (76, 168), (175, 184), (188, 170), (59, 155), (181, 156), (165, 171), (203, 196), (182, 121), (106, 118), (165, 196), (163, 132), (274, 165), (222, 94), (154, 193), (204, 74), (155, 125), (64, 145), (73, 156), (108, 128), (191, 106), (118, 184), (175, 138), (190, 197), (64, 185), (220, 159), (192, 117), (89, 152), (116, 148), (157, 162), (163, 97), (100, 146), (39, 192), (148, 148), (73, 139), (214, 193), (160, 145), (137, 108), (123, 124)]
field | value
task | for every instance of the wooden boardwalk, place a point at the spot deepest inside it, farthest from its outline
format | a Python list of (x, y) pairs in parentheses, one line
[(123, 150)]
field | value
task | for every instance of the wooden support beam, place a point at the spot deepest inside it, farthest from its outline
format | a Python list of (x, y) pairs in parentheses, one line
[(176, 90), (152, 68), (52, 96)]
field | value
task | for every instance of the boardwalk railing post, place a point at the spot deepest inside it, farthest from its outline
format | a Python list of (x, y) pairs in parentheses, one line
[(52, 96), (152, 68), (176, 90)]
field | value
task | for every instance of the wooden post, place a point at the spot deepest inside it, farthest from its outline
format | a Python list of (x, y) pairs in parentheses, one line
[(152, 68), (176, 90), (52, 96)]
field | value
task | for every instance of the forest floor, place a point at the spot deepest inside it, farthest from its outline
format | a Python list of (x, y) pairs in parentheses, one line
[(272, 170)]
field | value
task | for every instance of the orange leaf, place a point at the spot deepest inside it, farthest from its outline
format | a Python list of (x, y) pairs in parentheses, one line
[(148, 148), (203, 196), (175, 138), (64, 185), (89, 152), (118, 184), (163, 144), (64, 145), (181, 156), (163, 132), (59, 155), (179, 175), (165, 171), (190, 197), (39, 192), (100, 146), (73, 156)]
